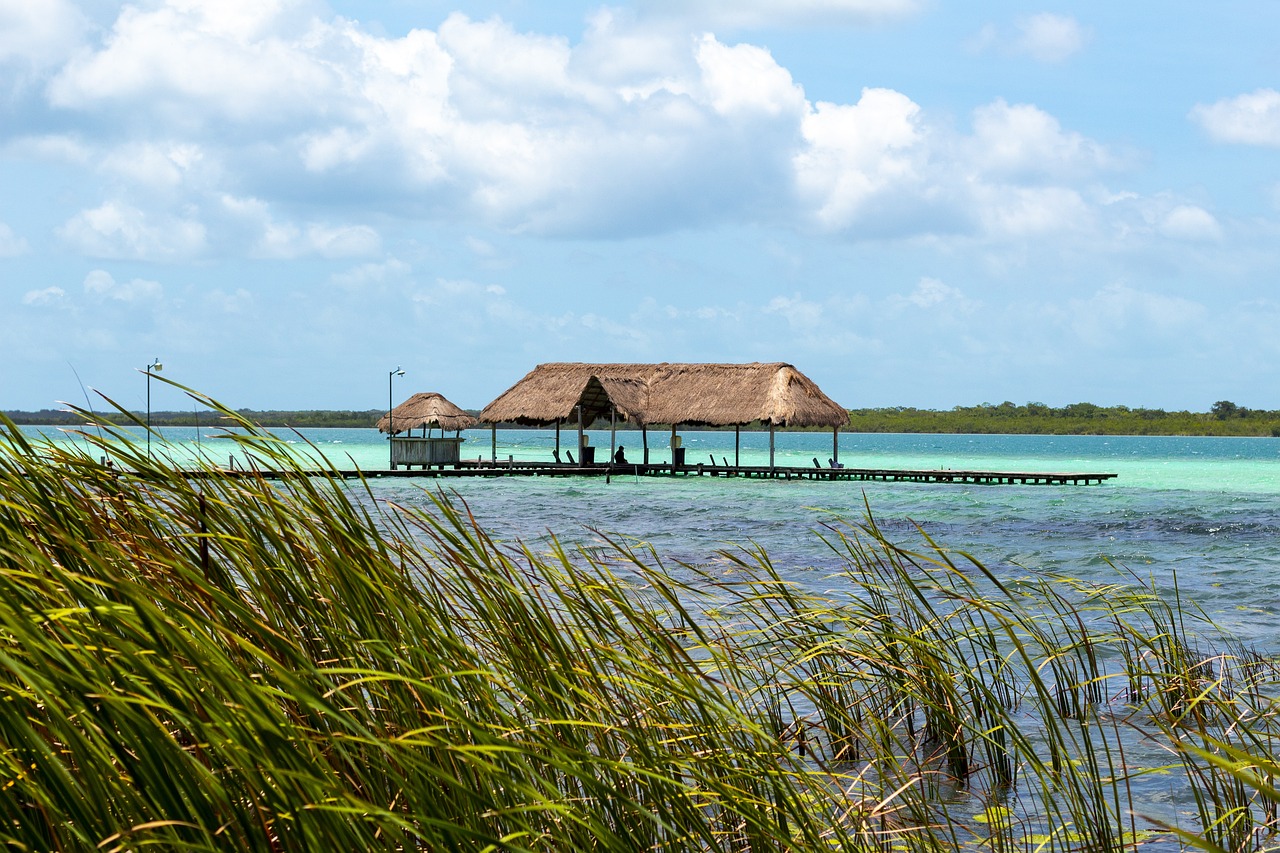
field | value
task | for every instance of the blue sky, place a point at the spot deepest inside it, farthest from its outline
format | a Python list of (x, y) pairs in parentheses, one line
[(916, 202)]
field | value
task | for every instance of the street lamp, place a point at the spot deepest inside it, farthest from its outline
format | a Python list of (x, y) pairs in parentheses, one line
[(155, 367), (391, 427)]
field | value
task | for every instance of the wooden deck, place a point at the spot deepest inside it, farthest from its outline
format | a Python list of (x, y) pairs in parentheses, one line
[(517, 468)]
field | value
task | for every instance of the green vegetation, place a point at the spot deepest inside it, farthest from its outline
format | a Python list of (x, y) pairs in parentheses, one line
[(205, 418), (224, 662), (1225, 418)]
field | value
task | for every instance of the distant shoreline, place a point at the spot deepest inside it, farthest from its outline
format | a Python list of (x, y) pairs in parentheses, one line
[(1225, 419)]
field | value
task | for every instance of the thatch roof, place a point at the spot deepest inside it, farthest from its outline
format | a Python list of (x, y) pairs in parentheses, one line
[(643, 394), (427, 410)]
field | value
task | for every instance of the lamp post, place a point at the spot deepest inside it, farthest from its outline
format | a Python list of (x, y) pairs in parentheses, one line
[(154, 366), (391, 426)]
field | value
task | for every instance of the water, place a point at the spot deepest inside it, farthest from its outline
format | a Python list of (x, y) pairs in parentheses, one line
[(1206, 510)]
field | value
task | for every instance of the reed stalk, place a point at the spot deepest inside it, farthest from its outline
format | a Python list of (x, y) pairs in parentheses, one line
[(200, 659)]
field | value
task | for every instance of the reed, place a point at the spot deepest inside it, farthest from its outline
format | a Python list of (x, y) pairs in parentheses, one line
[(208, 660)]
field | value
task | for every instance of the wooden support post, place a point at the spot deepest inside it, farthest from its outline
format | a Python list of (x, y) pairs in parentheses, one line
[(771, 429), (644, 438), (581, 427), (493, 443), (737, 444), (613, 432), (557, 456), (835, 445)]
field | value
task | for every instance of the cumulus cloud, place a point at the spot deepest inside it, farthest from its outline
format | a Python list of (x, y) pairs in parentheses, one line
[(39, 33), (1023, 142), (1250, 119), (118, 230), (11, 245), (856, 152), (236, 61), (744, 79), (273, 107)]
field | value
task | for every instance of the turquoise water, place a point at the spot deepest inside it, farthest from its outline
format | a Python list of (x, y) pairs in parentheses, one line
[(1207, 509)]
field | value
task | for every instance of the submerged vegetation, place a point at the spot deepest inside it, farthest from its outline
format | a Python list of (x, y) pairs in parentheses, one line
[(230, 662)]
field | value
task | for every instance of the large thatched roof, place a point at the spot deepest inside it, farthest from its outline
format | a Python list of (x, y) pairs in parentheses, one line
[(427, 410), (694, 394)]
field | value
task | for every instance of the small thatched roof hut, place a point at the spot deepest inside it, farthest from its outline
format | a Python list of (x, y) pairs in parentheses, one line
[(775, 394), (423, 411)]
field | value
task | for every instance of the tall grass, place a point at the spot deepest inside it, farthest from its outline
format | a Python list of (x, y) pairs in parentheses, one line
[(201, 660)]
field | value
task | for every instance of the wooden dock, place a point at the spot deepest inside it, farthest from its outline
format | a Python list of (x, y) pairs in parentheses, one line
[(517, 468)]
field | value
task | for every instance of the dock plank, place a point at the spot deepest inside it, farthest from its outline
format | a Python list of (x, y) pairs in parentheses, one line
[(516, 468)]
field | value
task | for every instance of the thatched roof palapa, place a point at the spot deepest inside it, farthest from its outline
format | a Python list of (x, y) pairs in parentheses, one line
[(426, 410), (773, 393)]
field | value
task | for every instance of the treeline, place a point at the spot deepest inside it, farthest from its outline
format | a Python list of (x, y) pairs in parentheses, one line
[(1224, 418), (207, 418)]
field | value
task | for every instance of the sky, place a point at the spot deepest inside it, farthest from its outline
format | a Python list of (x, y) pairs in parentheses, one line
[(915, 202)]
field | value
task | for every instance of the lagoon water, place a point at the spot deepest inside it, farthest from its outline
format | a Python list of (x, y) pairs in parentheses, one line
[(1203, 510)]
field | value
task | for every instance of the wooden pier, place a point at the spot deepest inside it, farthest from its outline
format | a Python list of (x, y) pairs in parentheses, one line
[(517, 468)]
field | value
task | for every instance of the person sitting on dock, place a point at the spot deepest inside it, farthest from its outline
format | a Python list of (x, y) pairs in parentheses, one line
[(620, 458)]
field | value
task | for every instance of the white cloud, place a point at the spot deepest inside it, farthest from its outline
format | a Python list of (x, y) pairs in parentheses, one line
[(234, 61), (11, 245), (240, 301), (1012, 211), (631, 131), (1023, 142), (761, 14), (745, 79), (1119, 311), (116, 230), (855, 152), (39, 33), (1251, 119), (1047, 37), (276, 239), (101, 285), (46, 297), (1044, 37), (371, 274), (286, 240), (155, 165), (931, 293), (1191, 223)]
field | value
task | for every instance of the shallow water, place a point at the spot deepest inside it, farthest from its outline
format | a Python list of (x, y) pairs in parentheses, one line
[(1204, 512), (1207, 509)]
